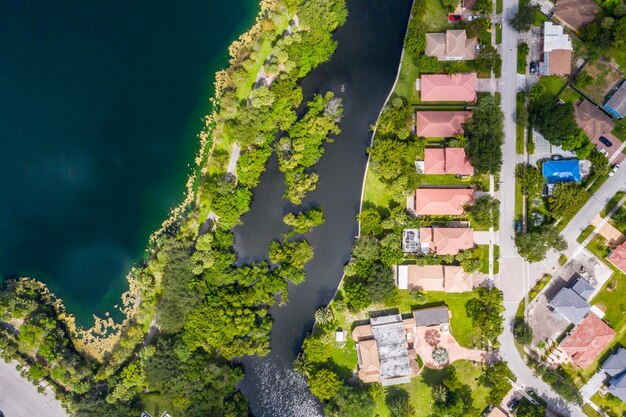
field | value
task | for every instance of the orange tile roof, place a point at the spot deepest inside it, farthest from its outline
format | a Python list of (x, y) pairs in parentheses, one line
[(369, 366), (434, 161), (448, 278), (560, 62), (447, 240), (618, 257), (447, 161), (440, 124), (588, 340), (442, 201), (443, 87)]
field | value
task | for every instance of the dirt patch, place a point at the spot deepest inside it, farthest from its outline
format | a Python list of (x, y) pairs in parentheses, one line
[(604, 78)]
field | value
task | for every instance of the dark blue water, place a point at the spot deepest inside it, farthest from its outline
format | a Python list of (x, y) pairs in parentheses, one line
[(100, 103)]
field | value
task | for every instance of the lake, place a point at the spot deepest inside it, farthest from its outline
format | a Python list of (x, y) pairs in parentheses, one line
[(364, 66), (100, 104)]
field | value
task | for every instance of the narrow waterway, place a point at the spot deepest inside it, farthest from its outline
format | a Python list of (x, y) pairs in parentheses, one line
[(364, 66)]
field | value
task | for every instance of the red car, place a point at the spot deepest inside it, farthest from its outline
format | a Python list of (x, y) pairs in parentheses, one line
[(454, 17)]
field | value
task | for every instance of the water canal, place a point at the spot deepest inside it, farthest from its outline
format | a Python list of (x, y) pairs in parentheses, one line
[(100, 105), (364, 66)]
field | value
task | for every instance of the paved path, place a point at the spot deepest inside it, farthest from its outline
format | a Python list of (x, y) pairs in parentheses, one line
[(232, 162), (19, 397)]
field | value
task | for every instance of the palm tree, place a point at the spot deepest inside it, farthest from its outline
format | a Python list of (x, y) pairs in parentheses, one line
[(302, 365), (440, 356), (440, 394), (432, 337), (323, 315)]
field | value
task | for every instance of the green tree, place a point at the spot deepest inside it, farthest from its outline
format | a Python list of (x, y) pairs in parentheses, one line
[(357, 295), (534, 246), (483, 6), (496, 377), (528, 409), (351, 402), (488, 59), (315, 350), (485, 311), (567, 198), (306, 220), (531, 180), (371, 222), (523, 332), (470, 260), (325, 384), (485, 212), (485, 133), (525, 17)]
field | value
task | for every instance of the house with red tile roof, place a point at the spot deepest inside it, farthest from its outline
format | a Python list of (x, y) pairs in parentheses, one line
[(442, 201), (618, 257), (448, 278), (588, 340), (447, 161), (446, 240), (575, 13), (444, 87), (440, 124)]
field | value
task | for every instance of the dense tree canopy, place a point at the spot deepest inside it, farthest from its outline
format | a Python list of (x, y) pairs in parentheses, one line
[(485, 134)]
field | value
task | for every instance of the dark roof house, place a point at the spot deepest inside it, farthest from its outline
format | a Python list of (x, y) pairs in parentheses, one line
[(432, 316), (583, 288), (570, 305), (617, 103), (616, 363), (617, 386), (575, 13)]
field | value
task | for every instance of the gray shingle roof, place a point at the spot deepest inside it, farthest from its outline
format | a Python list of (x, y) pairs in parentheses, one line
[(570, 305), (616, 363), (583, 288), (617, 386), (431, 316), (392, 349), (618, 100)]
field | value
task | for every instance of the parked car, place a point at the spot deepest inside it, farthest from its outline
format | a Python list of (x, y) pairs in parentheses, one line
[(556, 157), (613, 170), (606, 142), (454, 17), (533, 68), (472, 17), (518, 226), (512, 404)]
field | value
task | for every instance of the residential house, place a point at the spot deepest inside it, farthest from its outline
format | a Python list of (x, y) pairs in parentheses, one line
[(445, 240), (446, 278), (497, 412), (433, 316), (440, 124), (615, 368), (570, 305), (575, 13), (439, 161), (617, 103), (595, 123), (385, 350), (557, 51), (565, 170), (582, 287), (440, 201), (453, 45), (444, 87), (618, 257), (587, 341)]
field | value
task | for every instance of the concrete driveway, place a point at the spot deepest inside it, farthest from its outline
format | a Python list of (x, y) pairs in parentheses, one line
[(20, 398)]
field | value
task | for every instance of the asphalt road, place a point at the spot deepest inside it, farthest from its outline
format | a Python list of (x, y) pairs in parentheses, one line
[(20, 398)]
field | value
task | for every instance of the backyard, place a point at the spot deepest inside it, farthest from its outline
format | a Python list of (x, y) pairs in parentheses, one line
[(600, 79)]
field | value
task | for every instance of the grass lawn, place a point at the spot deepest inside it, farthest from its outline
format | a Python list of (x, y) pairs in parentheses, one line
[(499, 6), (539, 285), (444, 179), (612, 203), (552, 86), (263, 53), (155, 404), (498, 34), (540, 18), (620, 132), (520, 103), (590, 412), (519, 201), (617, 407), (405, 86), (619, 54), (585, 234), (377, 192), (521, 61), (569, 95), (603, 78), (483, 251)]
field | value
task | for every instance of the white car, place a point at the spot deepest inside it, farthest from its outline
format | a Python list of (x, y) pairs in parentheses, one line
[(613, 170), (472, 17)]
